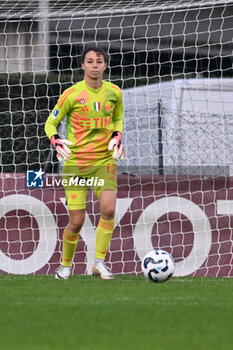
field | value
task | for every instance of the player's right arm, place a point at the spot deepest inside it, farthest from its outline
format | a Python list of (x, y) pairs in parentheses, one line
[(62, 108)]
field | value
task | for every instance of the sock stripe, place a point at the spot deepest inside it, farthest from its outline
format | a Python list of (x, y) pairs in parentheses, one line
[(69, 236), (107, 225)]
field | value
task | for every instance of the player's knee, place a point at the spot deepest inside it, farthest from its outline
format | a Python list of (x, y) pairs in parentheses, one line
[(75, 223), (74, 227), (108, 212)]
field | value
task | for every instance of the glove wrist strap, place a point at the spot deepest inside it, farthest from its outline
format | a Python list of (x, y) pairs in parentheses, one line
[(55, 137), (116, 134)]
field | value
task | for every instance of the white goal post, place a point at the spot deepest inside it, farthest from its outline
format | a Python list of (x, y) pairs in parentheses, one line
[(173, 62)]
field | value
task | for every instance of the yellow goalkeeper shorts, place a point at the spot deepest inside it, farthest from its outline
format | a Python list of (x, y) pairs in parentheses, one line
[(101, 177)]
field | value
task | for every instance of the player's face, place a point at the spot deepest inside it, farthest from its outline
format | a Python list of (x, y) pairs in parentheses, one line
[(94, 65)]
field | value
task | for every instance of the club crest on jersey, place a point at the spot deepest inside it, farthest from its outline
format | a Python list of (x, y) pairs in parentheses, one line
[(97, 106), (108, 106)]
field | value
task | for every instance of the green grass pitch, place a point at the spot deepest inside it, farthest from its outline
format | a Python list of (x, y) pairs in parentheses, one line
[(129, 313)]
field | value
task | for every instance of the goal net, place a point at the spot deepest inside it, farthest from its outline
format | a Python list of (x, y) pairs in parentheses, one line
[(173, 62)]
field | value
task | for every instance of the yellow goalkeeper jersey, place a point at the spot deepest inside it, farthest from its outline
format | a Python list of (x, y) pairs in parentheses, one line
[(92, 117)]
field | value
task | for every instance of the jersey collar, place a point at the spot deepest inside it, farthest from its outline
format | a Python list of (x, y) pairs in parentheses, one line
[(94, 90)]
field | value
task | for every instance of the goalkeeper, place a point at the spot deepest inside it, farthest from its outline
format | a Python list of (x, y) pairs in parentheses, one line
[(94, 125)]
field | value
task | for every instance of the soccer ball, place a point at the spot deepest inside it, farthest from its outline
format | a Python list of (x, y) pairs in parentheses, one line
[(158, 265)]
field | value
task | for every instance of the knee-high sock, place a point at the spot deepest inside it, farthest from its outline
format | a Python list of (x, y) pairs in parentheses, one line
[(70, 241), (103, 237)]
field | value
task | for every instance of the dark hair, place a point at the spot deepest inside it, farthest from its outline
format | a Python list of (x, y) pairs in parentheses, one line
[(96, 49)]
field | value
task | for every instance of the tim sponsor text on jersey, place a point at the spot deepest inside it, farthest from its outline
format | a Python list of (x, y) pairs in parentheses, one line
[(92, 123)]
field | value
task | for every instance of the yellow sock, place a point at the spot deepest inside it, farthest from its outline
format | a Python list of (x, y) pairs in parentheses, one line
[(70, 241), (103, 237)]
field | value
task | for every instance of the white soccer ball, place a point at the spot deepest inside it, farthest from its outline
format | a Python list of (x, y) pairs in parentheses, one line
[(158, 265)]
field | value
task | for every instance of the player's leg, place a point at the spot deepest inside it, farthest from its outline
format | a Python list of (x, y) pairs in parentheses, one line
[(107, 202), (76, 202), (71, 235), (70, 241), (107, 194)]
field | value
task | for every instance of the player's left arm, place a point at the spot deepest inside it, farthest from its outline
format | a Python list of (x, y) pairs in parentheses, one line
[(115, 143), (118, 113)]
